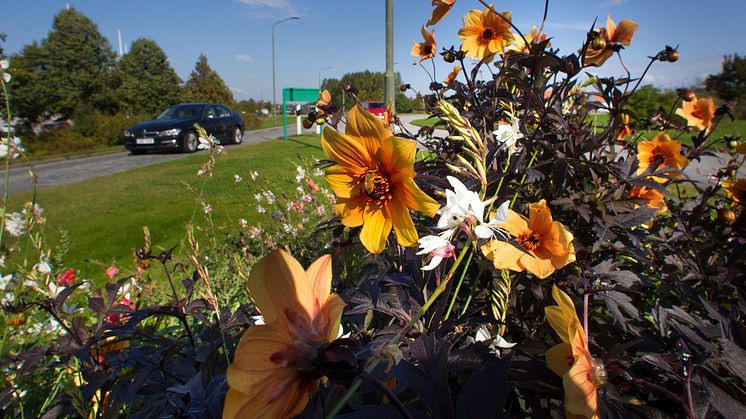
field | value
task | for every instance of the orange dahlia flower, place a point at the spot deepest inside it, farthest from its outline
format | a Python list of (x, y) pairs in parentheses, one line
[(485, 33), (660, 149), (654, 198), (600, 51), (273, 373), (374, 180), (442, 7), (533, 38), (571, 359), (325, 99), (547, 244), (698, 113), (736, 190), (427, 48)]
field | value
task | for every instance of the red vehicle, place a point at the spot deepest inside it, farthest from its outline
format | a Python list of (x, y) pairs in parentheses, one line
[(376, 107)]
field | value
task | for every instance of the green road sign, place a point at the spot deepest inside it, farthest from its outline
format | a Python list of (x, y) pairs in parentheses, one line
[(297, 95)]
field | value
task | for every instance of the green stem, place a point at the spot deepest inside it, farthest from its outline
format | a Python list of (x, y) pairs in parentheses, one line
[(466, 306), (458, 286), (7, 166), (523, 178), (499, 185), (395, 340)]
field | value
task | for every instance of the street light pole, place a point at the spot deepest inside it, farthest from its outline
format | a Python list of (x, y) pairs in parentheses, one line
[(274, 89), (320, 70)]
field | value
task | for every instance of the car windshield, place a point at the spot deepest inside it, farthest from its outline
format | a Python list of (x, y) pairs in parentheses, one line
[(182, 112), (376, 105)]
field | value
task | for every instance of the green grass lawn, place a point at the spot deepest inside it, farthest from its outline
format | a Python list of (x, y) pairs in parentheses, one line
[(429, 122), (103, 217)]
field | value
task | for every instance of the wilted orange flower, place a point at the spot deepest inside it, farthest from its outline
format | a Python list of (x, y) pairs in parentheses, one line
[(388, 114), (736, 190), (698, 113), (374, 180), (273, 373), (625, 129), (533, 38), (451, 77), (442, 7), (485, 33), (427, 48), (325, 99), (660, 149), (548, 243), (600, 50), (571, 359), (654, 198)]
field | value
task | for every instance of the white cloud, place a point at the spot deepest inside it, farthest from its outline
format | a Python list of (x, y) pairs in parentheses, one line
[(612, 3), (237, 90), (283, 5), (244, 58)]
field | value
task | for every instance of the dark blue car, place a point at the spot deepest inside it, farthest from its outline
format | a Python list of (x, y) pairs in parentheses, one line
[(173, 130)]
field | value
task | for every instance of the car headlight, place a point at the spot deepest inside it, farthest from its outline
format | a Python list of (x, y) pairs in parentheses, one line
[(170, 132), (128, 134)]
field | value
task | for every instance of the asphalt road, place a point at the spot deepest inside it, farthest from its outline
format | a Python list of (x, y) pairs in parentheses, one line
[(62, 171)]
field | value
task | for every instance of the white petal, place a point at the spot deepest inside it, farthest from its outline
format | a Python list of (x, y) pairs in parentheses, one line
[(501, 343), (434, 262), (483, 231), (482, 334)]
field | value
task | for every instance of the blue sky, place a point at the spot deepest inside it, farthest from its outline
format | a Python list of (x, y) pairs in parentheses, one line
[(349, 35)]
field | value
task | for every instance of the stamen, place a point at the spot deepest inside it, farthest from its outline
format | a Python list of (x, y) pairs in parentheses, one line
[(529, 240), (376, 186)]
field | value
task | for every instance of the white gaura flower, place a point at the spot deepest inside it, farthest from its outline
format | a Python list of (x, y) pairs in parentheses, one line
[(43, 266), (487, 230), (437, 247), (4, 64), (300, 174), (4, 281), (507, 135), (70, 309), (206, 143), (254, 174), (54, 289), (463, 205), (483, 334), (237, 178), (15, 224)]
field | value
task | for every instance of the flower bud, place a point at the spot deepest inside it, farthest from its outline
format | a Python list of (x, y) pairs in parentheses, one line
[(17, 319), (686, 95), (670, 54), (320, 121), (732, 144), (449, 55), (307, 123), (727, 215), (598, 43), (404, 87)]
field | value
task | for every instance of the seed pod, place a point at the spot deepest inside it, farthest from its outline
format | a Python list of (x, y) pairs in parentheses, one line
[(727, 215), (598, 43), (686, 95)]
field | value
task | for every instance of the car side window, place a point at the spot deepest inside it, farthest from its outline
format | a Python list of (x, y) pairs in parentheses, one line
[(223, 112), (210, 112)]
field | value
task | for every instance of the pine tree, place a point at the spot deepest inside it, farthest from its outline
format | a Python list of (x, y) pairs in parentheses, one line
[(145, 81), (70, 66), (205, 85)]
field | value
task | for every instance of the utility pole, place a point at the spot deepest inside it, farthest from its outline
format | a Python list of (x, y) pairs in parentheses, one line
[(390, 88), (274, 89)]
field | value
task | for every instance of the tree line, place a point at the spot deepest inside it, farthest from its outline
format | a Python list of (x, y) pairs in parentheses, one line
[(75, 70)]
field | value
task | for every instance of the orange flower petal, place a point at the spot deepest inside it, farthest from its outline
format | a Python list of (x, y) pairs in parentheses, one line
[(540, 218), (376, 228), (345, 150), (503, 255), (625, 31), (333, 313), (342, 183), (397, 155), (350, 210), (562, 317), (367, 129), (406, 234), (516, 224), (580, 392), (253, 354), (414, 197), (560, 359), (320, 275), (279, 282), (442, 7), (541, 268)]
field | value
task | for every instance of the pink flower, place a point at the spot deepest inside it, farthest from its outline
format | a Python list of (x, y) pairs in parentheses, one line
[(311, 184), (112, 272), (66, 278)]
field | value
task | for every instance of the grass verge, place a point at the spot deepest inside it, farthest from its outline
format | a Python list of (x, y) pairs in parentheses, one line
[(103, 217)]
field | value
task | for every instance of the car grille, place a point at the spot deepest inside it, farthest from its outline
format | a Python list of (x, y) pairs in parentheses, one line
[(145, 134)]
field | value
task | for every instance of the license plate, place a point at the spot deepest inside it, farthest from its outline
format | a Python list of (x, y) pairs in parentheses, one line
[(145, 141)]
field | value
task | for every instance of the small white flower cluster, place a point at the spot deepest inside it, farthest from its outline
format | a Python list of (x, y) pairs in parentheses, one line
[(300, 174), (15, 224), (237, 178), (463, 208), (5, 296), (4, 64), (254, 174), (508, 135), (14, 148)]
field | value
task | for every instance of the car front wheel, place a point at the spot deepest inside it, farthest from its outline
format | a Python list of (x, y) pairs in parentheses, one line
[(237, 135), (189, 144)]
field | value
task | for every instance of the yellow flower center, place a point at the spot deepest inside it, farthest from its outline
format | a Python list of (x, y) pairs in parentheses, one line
[(376, 186), (529, 240)]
